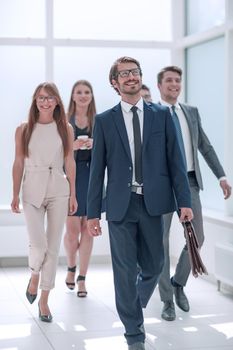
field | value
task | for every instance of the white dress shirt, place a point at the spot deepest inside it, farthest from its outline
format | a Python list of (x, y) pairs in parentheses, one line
[(185, 134), (128, 118)]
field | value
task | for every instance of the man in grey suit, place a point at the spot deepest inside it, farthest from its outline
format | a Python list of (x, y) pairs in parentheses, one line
[(192, 140), (145, 169)]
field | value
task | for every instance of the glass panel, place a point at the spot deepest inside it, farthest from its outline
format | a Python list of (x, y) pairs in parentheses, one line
[(19, 79), (204, 14), (24, 18), (104, 19), (205, 89), (94, 64)]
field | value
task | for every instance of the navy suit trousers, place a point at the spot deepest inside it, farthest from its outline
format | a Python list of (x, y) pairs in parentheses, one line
[(136, 245)]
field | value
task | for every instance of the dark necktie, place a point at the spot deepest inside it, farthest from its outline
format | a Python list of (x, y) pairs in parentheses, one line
[(178, 131), (137, 146)]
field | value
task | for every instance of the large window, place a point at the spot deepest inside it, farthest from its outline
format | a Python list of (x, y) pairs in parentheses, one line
[(202, 15), (104, 19), (67, 40), (22, 19), (21, 69), (205, 89)]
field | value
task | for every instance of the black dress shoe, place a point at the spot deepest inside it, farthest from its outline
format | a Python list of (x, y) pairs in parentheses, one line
[(30, 297), (180, 297), (168, 312)]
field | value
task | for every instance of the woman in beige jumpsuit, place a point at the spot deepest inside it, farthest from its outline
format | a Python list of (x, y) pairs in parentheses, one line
[(43, 146)]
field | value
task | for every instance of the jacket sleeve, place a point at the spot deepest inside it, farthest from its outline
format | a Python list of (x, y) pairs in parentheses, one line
[(97, 172)]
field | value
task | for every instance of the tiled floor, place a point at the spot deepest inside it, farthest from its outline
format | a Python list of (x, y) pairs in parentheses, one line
[(92, 323)]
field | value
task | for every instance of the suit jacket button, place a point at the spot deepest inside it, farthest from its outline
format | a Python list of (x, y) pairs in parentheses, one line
[(129, 184), (130, 168)]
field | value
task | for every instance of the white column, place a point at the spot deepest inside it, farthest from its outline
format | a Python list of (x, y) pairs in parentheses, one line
[(178, 32), (49, 48)]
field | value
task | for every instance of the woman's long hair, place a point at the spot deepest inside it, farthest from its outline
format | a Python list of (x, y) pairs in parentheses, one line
[(91, 111), (59, 117)]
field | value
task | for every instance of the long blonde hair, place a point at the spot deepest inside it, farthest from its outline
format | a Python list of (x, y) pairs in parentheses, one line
[(59, 117), (91, 111)]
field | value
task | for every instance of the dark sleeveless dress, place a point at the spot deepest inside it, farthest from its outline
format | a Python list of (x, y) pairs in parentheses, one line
[(83, 160)]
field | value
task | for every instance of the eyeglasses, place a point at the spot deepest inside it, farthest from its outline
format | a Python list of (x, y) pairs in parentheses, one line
[(42, 99), (126, 73)]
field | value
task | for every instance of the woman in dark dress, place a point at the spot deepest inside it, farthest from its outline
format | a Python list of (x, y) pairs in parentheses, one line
[(81, 114)]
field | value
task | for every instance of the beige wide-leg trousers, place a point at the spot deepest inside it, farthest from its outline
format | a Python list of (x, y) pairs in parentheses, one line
[(45, 227)]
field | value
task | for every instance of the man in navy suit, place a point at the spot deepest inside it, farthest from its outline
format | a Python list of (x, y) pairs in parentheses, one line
[(146, 178)]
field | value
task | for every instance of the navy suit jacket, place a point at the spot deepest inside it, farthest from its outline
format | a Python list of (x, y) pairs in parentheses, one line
[(164, 176)]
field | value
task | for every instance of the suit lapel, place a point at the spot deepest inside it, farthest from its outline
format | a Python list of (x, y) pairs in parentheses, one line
[(190, 122), (187, 114), (120, 125)]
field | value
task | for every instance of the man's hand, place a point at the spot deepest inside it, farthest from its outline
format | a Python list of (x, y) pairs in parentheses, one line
[(186, 214), (226, 188), (93, 227)]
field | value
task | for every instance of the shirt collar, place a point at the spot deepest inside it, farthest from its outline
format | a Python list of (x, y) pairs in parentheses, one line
[(164, 103), (127, 106)]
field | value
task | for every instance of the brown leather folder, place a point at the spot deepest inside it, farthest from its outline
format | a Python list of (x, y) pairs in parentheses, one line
[(196, 262)]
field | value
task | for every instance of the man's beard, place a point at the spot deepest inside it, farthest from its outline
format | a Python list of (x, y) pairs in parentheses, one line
[(134, 91)]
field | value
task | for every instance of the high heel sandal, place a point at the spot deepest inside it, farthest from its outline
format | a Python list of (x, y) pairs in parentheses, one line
[(45, 318), (71, 285), (30, 297), (81, 293)]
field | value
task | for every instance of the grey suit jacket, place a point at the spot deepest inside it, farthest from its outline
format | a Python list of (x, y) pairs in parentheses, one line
[(200, 142)]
